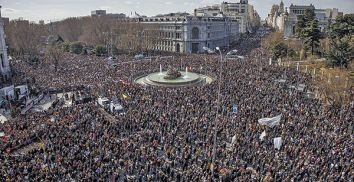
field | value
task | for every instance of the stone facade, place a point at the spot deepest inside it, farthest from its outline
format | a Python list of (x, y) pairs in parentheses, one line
[(291, 18), (284, 21), (326, 15), (276, 17), (189, 34)]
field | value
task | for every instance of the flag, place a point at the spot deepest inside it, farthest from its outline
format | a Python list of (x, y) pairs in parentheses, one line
[(271, 122), (262, 135), (125, 96), (277, 143)]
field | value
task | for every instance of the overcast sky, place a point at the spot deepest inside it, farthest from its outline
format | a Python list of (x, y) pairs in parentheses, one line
[(35, 10)]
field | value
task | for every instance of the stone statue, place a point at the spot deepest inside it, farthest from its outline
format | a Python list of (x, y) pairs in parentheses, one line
[(172, 74)]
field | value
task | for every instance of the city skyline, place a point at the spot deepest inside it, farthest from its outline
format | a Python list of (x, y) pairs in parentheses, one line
[(58, 10)]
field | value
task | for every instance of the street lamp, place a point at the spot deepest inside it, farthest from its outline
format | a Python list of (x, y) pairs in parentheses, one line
[(211, 51)]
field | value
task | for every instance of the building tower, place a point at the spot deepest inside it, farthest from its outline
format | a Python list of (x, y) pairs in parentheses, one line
[(243, 1), (4, 62), (281, 7)]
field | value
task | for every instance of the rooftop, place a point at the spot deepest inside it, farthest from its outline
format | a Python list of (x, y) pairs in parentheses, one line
[(302, 6)]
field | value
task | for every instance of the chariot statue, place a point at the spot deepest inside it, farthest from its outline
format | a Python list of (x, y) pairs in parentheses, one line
[(172, 74)]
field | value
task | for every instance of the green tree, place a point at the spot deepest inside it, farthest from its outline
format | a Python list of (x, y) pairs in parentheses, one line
[(343, 26), (100, 50), (303, 21), (341, 36), (312, 36), (279, 50), (115, 50), (300, 26), (66, 46), (54, 54), (308, 31), (76, 47), (341, 52), (293, 54)]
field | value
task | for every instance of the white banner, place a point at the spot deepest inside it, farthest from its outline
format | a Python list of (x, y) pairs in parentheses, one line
[(271, 122), (277, 143), (233, 139)]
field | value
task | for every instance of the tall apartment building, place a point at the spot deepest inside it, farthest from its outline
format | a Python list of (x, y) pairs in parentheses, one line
[(4, 62), (243, 12), (98, 13)]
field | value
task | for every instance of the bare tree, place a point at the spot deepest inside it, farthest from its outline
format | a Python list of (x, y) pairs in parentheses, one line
[(70, 29), (95, 29), (124, 34), (54, 55), (25, 38), (137, 37), (335, 89)]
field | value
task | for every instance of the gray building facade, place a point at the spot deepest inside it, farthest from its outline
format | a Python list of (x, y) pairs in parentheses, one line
[(4, 62)]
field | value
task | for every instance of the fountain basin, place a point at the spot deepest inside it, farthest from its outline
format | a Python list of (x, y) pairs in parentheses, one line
[(157, 79)]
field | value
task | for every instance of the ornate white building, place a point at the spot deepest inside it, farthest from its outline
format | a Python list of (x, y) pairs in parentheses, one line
[(189, 34), (4, 62)]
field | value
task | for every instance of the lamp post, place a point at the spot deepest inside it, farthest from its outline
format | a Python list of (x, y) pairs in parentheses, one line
[(210, 51)]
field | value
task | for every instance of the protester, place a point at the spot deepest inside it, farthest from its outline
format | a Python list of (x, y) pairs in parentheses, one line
[(166, 134)]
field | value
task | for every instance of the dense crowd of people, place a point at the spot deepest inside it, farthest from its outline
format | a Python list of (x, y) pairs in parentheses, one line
[(166, 134)]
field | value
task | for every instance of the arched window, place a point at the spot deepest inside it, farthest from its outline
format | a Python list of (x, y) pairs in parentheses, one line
[(195, 33), (178, 48), (2, 60)]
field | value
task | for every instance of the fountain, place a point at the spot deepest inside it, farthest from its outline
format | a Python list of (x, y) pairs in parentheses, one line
[(173, 78), (160, 70), (172, 74), (186, 75)]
